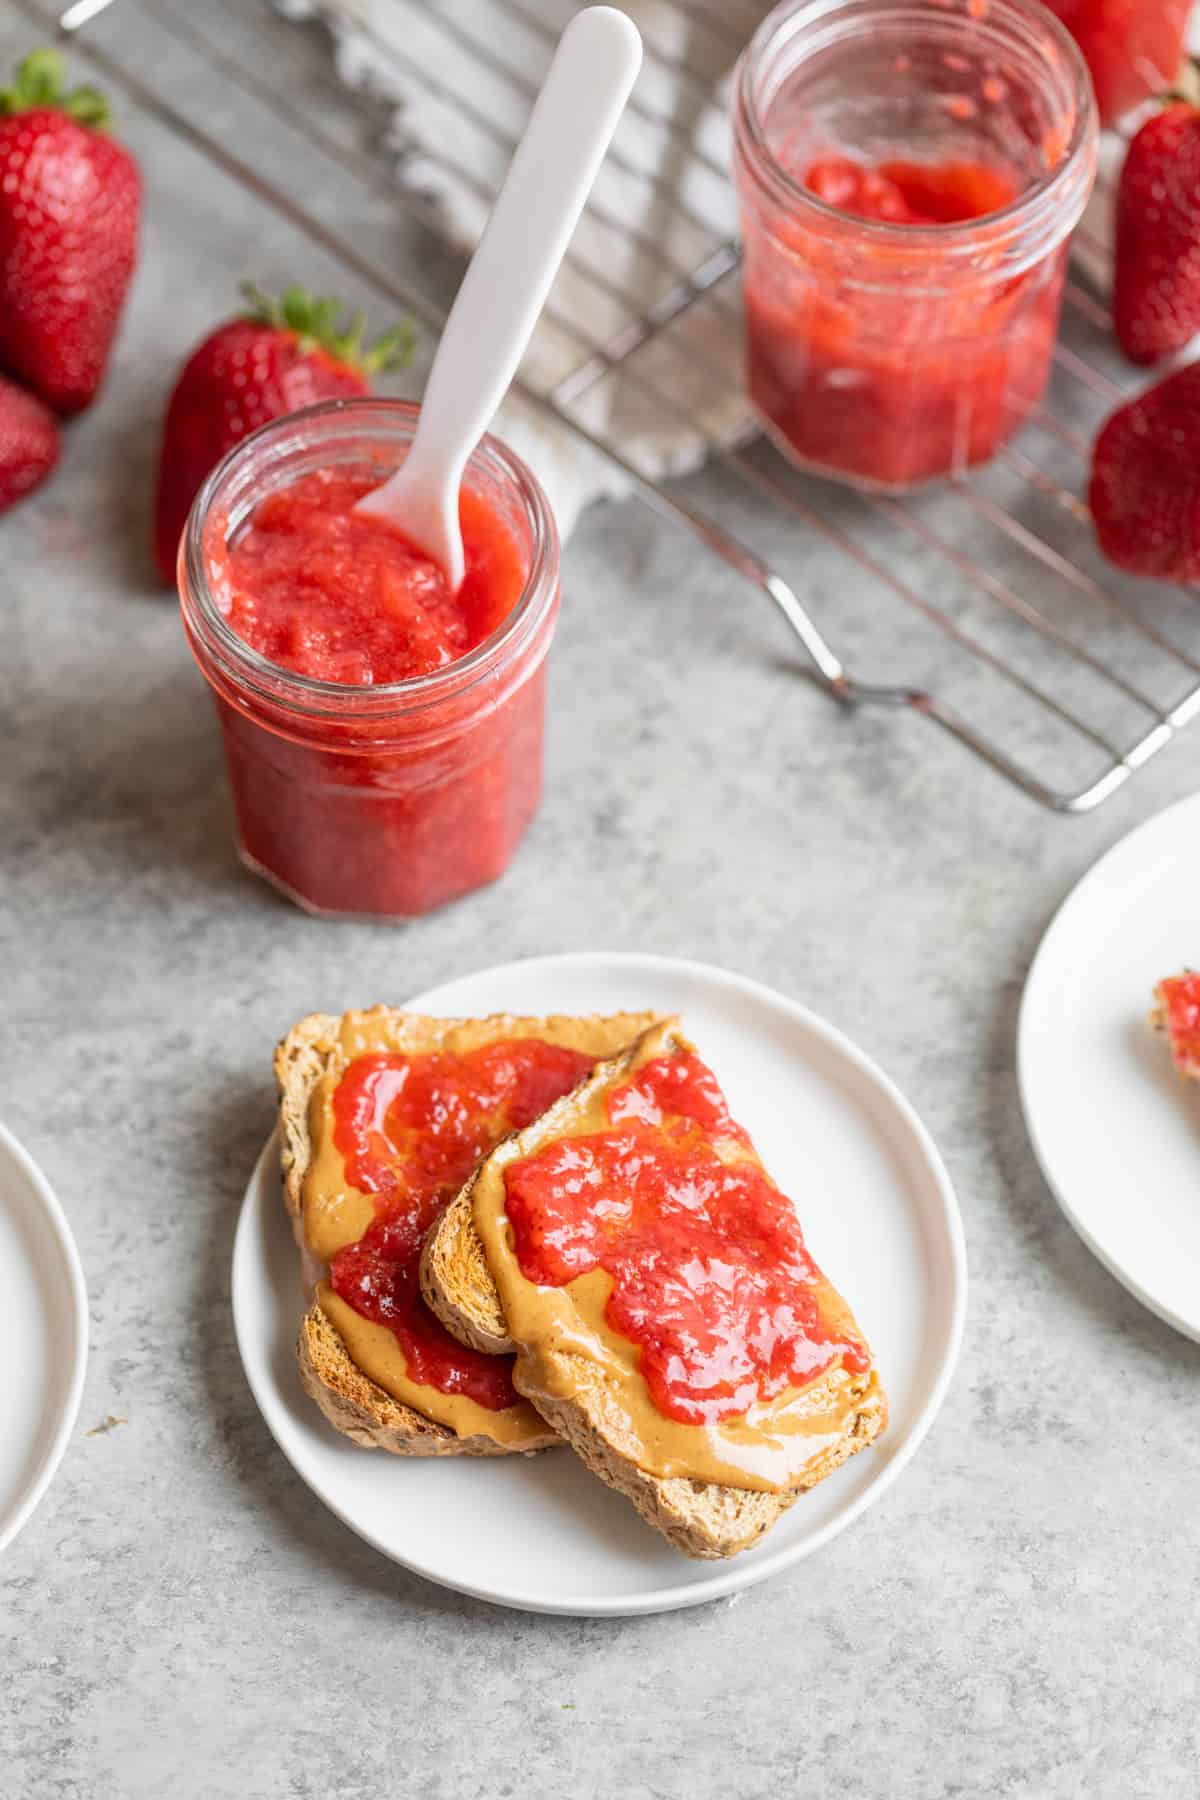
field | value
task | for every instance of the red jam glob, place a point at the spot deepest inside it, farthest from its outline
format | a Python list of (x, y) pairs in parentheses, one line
[(907, 191), (383, 736), (710, 1276), (1178, 1002), (339, 595), (410, 1129)]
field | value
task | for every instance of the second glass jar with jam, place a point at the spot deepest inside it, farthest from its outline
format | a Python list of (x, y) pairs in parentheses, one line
[(909, 174)]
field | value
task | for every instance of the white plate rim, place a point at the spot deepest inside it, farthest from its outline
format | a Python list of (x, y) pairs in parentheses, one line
[(1080, 896), (76, 1288), (735, 1574)]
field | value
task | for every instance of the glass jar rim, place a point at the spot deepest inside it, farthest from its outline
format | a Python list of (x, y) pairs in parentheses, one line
[(1036, 205), (365, 418)]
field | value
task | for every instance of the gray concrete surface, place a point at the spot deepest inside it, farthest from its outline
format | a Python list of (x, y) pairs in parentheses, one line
[(181, 1617)]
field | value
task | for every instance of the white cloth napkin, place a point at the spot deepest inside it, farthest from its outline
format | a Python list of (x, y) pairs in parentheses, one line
[(462, 73)]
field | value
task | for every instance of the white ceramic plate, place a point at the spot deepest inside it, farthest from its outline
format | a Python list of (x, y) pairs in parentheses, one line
[(1116, 1130), (878, 1212), (43, 1335)]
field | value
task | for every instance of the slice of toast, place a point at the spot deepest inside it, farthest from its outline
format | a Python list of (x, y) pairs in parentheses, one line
[(574, 1389), (360, 1409), (457, 1283), (316, 1052)]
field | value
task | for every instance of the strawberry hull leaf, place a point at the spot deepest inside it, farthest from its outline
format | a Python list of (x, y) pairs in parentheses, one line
[(316, 322), (41, 81)]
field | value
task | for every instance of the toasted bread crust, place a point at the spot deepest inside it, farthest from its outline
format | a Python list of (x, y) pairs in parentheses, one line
[(457, 1284), (704, 1519), (301, 1059), (359, 1409), (353, 1403)]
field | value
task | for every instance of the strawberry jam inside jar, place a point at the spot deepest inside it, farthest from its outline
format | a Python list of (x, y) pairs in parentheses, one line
[(909, 173), (1134, 48), (383, 735)]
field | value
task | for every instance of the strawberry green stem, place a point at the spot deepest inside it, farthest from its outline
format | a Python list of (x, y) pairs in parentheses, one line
[(316, 322), (40, 80)]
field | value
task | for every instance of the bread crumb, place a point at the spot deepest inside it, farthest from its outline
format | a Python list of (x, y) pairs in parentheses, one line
[(110, 1421)]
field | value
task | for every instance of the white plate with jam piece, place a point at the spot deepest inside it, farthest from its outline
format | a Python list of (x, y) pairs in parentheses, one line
[(879, 1215), (1113, 1123), (43, 1335)]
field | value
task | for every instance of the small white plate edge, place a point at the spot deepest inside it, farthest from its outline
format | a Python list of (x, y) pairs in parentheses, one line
[(65, 1241), (1079, 896)]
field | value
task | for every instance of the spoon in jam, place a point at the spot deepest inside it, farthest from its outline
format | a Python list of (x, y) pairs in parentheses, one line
[(509, 277)]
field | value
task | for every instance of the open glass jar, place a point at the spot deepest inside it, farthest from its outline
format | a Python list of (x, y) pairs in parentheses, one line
[(381, 801), (881, 351)]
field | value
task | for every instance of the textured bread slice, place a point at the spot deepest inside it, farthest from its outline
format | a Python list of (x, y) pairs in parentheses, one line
[(704, 1519), (314, 1050), (457, 1283), (360, 1409)]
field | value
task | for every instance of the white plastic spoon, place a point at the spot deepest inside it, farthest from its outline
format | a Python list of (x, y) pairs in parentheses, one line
[(505, 286)]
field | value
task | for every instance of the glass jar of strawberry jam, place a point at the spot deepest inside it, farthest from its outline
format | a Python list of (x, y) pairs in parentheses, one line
[(909, 173), (383, 736)]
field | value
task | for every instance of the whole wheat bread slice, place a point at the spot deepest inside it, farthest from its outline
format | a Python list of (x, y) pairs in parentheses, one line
[(457, 1283), (704, 1519), (360, 1409), (354, 1404)]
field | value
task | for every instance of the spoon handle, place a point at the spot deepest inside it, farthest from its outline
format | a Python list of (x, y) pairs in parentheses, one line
[(510, 275)]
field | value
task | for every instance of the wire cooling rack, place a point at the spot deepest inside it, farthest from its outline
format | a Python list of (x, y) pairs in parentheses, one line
[(982, 606)]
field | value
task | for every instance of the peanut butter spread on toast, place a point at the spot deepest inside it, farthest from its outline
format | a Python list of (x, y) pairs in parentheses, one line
[(567, 1347), (336, 1215)]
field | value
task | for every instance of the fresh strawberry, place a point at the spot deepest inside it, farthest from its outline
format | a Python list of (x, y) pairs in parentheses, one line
[(70, 201), (1133, 48), (280, 356), (1156, 293), (28, 443), (1145, 491)]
